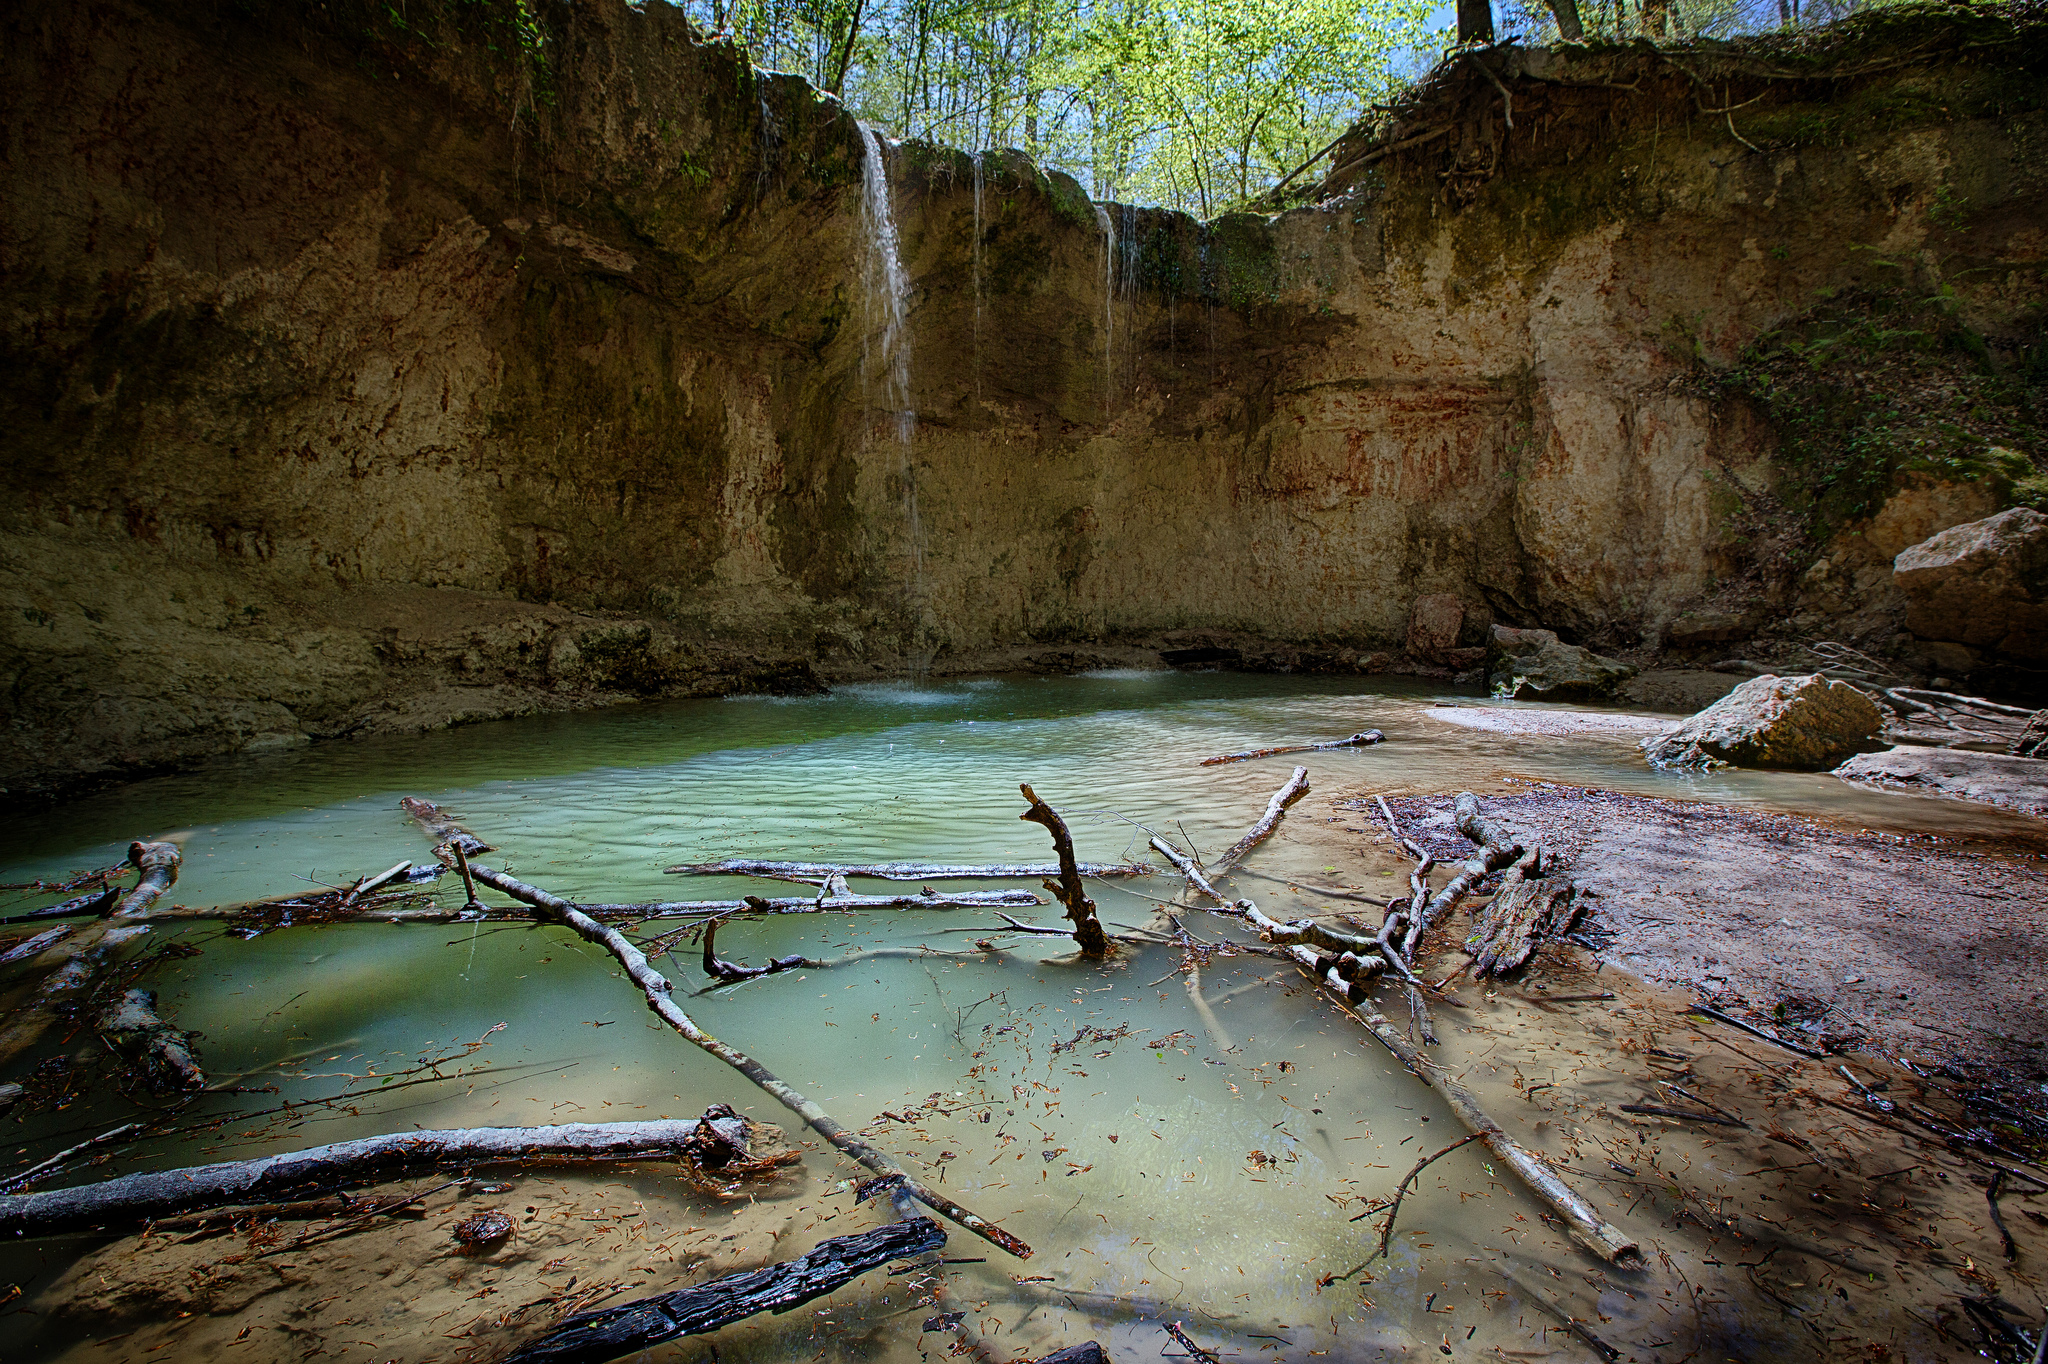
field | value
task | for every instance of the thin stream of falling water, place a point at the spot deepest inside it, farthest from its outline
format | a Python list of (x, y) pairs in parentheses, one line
[(886, 293), (1102, 219), (977, 282)]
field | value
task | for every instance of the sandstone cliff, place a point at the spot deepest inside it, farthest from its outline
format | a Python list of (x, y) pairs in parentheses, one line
[(361, 377)]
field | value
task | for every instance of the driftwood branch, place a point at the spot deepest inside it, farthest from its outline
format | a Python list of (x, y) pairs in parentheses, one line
[(1088, 932), (321, 1169), (1496, 850), (43, 1169), (1360, 740), (1585, 1225), (793, 904), (657, 989), (611, 1332), (1295, 789), (93, 904), (1754, 1031), (899, 871), (130, 1026)]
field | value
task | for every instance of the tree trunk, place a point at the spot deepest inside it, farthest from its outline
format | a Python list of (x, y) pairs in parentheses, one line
[(1568, 26), (1475, 21)]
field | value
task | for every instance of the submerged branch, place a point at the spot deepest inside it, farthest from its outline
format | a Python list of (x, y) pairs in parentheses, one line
[(1295, 789), (1585, 1225), (817, 872), (658, 989), (1359, 740)]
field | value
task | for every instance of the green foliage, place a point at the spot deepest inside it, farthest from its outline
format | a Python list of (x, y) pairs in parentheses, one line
[(1882, 382), (1195, 104)]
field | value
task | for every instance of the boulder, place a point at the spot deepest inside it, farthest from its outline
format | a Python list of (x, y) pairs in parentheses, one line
[(1807, 723), (1983, 584), (1534, 665), (1433, 625)]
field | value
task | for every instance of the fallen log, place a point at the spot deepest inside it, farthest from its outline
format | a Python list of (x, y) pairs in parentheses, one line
[(1295, 789), (80, 955), (1537, 902), (131, 1028), (1496, 850), (657, 989), (1088, 932), (899, 871), (1585, 1225), (322, 1169), (158, 863), (1361, 740), (609, 1332)]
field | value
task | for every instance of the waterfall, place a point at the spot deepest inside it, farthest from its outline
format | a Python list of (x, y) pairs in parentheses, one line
[(977, 284), (1108, 227), (885, 363)]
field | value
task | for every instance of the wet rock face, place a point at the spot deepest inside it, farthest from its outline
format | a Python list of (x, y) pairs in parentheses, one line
[(1804, 723), (1534, 665), (1433, 625), (1983, 585)]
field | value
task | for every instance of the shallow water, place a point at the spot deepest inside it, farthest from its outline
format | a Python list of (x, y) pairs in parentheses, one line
[(1128, 1165)]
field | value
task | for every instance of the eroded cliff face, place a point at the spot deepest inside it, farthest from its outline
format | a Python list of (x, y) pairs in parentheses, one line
[(362, 380)]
